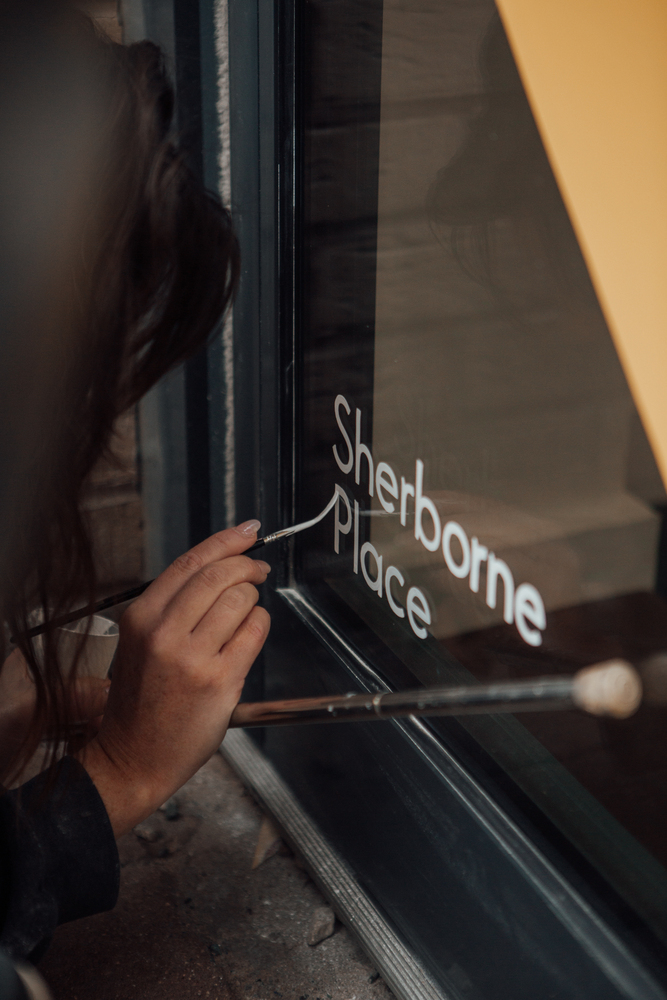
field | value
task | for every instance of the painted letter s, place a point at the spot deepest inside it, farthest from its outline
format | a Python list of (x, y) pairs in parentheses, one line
[(343, 466)]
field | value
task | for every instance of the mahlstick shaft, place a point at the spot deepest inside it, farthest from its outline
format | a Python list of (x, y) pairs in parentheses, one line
[(612, 688)]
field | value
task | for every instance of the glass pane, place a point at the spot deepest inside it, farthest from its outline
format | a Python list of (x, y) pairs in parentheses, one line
[(500, 511)]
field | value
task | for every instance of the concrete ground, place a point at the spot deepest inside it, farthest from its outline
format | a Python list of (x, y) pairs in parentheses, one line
[(195, 920)]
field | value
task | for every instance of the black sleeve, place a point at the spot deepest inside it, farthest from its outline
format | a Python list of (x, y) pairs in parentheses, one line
[(58, 858)]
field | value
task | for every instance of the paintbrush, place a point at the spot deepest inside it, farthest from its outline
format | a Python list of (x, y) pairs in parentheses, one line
[(129, 595)]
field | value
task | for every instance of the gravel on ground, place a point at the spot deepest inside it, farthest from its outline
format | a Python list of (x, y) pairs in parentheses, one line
[(194, 919)]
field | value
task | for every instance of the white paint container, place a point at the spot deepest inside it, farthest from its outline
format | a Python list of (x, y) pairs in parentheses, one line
[(99, 647)]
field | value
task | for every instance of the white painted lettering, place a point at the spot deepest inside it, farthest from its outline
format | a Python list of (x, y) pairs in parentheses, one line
[(529, 607), (407, 490), (355, 562), (418, 611), (454, 530), (423, 503), (359, 450), (374, 584), (393, 574), (464, 558), (341, 529), (495, 568), (385, 479), (477, 557), (344, 466)]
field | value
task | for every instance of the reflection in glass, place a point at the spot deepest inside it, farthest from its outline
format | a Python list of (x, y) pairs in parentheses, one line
[(448, 303)]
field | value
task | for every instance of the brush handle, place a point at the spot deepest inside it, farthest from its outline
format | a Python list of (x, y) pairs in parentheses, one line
[(259, 544), (90, 609), (109, 602)]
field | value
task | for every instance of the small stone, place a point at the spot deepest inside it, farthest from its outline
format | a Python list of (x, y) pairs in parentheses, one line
[(268, 842), (322, 925), (171, 809), (146, 832)]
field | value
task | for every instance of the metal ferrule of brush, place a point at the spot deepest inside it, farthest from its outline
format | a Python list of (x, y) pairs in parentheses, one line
[(275, 537)]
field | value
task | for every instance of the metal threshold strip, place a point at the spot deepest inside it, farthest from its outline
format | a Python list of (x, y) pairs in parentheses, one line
[(401, 970)]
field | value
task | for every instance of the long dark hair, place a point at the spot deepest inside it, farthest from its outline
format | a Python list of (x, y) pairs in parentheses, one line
[(115, 266)]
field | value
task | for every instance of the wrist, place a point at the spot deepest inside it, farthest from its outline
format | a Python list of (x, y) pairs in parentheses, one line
[(127, 797)]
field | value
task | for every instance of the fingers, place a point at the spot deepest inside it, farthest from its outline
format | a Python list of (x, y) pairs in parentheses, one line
[(242, 650), (231, 542), (203, 590), (223, 619)]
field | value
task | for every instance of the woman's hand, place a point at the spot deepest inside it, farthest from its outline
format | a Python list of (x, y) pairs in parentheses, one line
[(185, 648)]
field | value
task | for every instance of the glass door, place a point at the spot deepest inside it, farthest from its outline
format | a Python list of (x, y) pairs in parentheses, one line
[(500, 507), (451, 377)]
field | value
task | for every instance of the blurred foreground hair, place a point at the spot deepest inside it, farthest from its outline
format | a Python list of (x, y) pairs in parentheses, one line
[(115, 266)]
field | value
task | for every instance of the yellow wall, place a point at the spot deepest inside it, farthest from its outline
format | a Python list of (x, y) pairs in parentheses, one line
[(596, 74)]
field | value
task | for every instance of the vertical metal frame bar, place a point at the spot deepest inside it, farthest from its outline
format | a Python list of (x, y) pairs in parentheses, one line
[(188, 15), (256, 317), (215, 103), (254, 181), (289, 215), (245, 187)]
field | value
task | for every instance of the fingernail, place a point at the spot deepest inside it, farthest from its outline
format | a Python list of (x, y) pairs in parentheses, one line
[(264, 565), (248, 528)]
